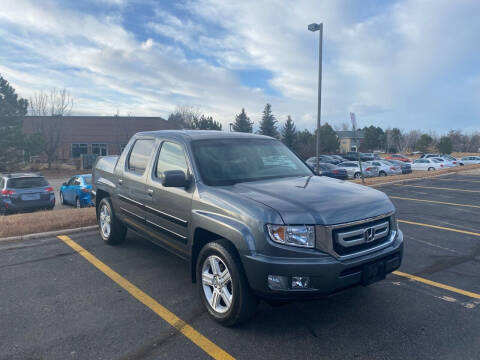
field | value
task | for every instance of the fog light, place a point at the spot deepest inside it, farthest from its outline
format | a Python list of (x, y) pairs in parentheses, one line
[(300, 282), (277, 282)]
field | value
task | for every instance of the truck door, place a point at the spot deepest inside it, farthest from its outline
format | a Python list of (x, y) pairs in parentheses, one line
[(132, 193), (169, 208)]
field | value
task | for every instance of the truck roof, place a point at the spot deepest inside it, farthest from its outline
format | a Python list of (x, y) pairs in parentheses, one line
[(189, 135)]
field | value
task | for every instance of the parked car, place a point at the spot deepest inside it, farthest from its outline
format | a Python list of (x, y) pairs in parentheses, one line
[(77, 191), (25, 192), (406, 167), (469, 160), (385, 168), (248, 215), (428, 156), (324, 159), (452, 159), (398, 157), (446, 163), (353, 169), (332, 171), (373, 156), (353, 156), (429, 164), (339, 158)]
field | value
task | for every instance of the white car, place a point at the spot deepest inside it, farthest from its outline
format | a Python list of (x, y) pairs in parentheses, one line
[(446, 162), (455, 161), (469, 160), (385, 168), (427, 164)]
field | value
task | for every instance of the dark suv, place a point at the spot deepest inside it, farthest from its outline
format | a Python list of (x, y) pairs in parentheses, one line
[(25, 192)]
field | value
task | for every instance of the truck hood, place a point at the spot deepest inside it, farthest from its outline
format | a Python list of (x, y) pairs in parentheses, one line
[(315, 199)]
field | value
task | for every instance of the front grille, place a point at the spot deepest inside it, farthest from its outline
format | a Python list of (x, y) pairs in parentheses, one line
[(349, 240)]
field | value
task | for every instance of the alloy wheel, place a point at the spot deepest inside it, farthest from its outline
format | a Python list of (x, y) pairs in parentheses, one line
[(217, 284), (105, 221)]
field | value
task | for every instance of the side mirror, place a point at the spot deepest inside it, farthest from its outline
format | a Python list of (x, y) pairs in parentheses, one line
[(175, 178)]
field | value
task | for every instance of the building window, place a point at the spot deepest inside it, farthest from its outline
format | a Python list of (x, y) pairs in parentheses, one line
[(122, 147), (78, 150), (99, 149)]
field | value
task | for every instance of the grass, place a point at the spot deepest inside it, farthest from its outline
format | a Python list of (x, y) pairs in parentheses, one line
[(42, 221)]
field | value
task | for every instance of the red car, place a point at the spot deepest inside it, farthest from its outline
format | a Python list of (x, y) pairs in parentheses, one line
[(398, 157)]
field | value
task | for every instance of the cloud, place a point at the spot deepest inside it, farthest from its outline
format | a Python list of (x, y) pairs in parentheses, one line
[(411, 63)]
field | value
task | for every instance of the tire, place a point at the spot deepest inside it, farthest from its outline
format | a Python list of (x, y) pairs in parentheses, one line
[(62, 200), (234, 289), (357, 175), (382, 173), (431, 169), (78, 203), (112, 231)]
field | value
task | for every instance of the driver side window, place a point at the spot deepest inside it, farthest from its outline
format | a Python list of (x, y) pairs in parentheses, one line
[(171, 157)]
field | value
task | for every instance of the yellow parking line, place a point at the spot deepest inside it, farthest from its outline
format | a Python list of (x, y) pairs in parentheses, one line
[(193, 335), (435, 202), (438, 188), (440, 227), (439, 285)]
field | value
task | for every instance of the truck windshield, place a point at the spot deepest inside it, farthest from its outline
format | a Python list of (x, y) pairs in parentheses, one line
[(230, 161)]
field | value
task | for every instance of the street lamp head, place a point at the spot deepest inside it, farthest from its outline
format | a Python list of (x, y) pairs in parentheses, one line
[(314, 27)]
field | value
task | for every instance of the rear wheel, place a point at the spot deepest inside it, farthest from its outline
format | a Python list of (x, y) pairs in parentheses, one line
[(78, 203), (357, 175), (382, 173), (62, 200), (223, 286), (112, 230), (431, 169)]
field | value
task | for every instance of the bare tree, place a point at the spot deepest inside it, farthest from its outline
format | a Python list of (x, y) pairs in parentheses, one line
[(51, 107)]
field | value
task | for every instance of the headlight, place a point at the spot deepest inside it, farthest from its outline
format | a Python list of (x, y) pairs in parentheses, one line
[(298, 235)]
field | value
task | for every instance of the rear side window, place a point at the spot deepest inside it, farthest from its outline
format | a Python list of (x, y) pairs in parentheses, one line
[(140, 155), (87, 180), (27, 183), (172, 157)]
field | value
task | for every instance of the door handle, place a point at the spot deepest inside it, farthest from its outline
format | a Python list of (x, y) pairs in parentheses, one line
[(150, 192), (120, 181)]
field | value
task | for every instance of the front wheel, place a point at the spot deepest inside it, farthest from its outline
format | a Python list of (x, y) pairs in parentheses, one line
[(357, 175), (383, 173), (112, 230), (431, 169), (223, 286)]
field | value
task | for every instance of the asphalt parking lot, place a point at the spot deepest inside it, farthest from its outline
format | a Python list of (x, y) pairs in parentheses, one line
[(60, 301)]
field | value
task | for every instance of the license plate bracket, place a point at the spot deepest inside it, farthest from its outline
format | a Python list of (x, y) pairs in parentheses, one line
[(373, 273)]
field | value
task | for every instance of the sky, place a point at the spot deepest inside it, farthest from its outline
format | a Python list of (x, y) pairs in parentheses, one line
[(410, 64)]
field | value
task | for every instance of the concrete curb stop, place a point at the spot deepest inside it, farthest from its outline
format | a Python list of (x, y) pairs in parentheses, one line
[(48, 234)]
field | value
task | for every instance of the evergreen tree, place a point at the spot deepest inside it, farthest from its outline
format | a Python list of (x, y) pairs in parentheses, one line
[(205, 123), (328, 139), (242, 123), (12, 110), (289, 133), (424, 143), (445, 145), (268, 125)]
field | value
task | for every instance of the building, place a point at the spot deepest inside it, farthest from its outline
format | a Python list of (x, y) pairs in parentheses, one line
[(349, 140), (98, 135)]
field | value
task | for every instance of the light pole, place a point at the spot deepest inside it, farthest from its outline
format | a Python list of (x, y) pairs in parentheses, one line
[(314, 27)]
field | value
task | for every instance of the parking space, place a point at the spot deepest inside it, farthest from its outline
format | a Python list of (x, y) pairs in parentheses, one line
[(73, 308)]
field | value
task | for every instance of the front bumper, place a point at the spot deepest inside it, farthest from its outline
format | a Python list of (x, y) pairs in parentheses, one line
[(327, 274)]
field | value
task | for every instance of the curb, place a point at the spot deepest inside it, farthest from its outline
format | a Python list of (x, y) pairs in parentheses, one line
[(48, 234), (411, 179)]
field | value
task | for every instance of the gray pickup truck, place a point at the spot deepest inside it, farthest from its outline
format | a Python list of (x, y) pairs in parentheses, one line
[(250, 217)]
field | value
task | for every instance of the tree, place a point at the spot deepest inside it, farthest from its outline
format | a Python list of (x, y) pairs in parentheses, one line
[(183, 116), (289, 133), (305, 144), (205, 123), (51, 107), (445, 145), (328, 139), (396, 139), (373, 138), (33, 145), (242, 123), (12, 110), (268, 125), (424, 143)]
